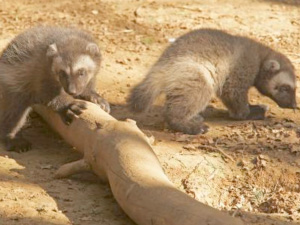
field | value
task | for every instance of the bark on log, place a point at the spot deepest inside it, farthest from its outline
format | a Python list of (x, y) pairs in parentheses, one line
[(119, 152)]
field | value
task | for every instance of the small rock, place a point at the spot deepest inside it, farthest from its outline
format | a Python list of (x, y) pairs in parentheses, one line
[(95, 12), (171, 40), (46, 167)]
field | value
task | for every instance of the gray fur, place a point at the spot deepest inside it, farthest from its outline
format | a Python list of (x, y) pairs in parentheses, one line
[(208, 62), (37, 68)]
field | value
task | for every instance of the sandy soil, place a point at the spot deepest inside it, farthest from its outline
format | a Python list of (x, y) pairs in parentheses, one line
[(250, 169)]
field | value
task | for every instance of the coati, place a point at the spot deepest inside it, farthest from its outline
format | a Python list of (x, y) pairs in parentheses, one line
[(208, 62), (52, 66)]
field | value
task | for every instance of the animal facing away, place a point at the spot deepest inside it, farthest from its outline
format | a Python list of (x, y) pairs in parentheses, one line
[(206, 63), (52, 66)]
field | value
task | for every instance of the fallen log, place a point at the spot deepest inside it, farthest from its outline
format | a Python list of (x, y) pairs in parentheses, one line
[(120, 153)]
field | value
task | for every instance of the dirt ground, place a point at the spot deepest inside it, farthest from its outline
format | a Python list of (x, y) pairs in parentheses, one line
[(249, 169)]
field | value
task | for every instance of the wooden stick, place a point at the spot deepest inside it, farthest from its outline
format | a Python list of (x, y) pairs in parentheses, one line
[(215, 148), (119, 152)]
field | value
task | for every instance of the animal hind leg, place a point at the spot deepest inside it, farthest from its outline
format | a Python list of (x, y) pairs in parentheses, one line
[(12, 120), (183, 106)]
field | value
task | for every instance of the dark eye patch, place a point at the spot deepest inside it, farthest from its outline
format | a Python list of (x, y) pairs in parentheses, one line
[(284, 88), (62, 74), (81, 72)]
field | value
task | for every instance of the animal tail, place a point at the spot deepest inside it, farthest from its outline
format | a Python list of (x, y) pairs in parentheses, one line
[(143, 95)]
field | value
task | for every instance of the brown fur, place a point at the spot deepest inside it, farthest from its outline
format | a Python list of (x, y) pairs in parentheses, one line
[(208, 62), (37, 67)]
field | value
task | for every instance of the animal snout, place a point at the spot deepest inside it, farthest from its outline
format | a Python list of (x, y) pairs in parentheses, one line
[(72, 89)]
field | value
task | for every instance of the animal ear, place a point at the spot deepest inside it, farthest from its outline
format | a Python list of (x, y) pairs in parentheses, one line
[(272, 65), (52, 50), (93, 49)]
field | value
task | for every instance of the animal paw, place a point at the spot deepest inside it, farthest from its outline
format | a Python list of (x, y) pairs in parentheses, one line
[(74, 110), (17, 144), (200, 129), (193, 126), (257, 112), (97, 99)]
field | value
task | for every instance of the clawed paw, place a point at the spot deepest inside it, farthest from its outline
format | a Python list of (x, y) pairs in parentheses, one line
[(17, 144), (200, 129), (193, 126), (97, 99), (74, 110), (103, 104), (257, 112)]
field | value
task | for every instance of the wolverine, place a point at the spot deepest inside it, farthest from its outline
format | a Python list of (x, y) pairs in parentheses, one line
[(205, 63), (53, 66)]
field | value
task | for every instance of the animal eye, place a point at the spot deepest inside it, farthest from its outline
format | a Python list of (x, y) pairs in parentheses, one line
[(62, 74), (81, 72), (284, 88)]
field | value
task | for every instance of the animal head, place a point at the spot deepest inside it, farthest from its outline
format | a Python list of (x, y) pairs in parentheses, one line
[(277, 80), (74, 63)]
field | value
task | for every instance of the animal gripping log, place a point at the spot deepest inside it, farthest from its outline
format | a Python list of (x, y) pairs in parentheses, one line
[(120, 153)]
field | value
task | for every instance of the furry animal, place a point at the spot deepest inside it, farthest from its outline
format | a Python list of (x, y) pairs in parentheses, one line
[(53, 66), (208, 62)]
